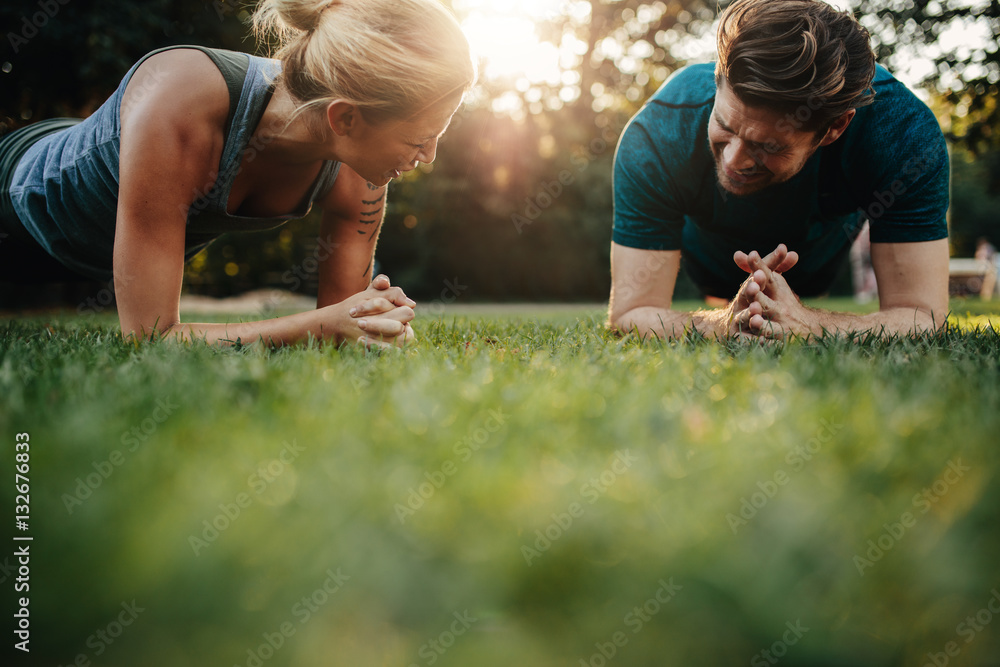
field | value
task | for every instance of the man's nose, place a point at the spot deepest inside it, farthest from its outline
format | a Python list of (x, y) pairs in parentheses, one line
[(738, 156)]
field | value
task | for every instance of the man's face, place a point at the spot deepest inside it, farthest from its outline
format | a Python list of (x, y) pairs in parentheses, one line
[(755, 147)]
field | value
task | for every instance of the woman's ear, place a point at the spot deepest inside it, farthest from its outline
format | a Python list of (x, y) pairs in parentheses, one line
[(343, 117)]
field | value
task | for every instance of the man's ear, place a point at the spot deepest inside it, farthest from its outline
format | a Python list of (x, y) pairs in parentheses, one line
[(838, 128), (343, 117)]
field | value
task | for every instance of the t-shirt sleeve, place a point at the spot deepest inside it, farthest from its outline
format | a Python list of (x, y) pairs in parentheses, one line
[(646, 213), (909, 202)]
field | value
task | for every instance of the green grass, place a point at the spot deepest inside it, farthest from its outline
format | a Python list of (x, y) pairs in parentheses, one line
[(636, 458)]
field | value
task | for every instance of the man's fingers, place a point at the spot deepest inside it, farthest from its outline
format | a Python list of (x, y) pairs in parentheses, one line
[(780, 260), (751, 262), (742, 320), (749, 290), (791, 259), (761, 271), (741, 258), (776, 257), (772, 331), (768, 312)]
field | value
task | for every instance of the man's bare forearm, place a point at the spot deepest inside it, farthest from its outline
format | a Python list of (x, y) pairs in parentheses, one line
[(666, 323), (889, 321)]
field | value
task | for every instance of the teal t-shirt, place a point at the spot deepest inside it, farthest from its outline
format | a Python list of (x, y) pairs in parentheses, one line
[(890, 167)]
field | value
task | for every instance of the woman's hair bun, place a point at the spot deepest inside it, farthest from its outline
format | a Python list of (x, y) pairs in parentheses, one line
[(285, 16), (393, 58)]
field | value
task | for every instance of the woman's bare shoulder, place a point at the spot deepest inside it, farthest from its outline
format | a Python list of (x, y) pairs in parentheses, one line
[(180, 86)]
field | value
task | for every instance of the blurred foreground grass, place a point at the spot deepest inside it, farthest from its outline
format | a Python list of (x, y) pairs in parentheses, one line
[(511, 491)]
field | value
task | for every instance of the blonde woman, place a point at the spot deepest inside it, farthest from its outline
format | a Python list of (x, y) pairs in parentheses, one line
[(198, 142)]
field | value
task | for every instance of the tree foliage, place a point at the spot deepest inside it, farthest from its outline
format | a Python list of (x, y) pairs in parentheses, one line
[(959, 37), (518, 203)]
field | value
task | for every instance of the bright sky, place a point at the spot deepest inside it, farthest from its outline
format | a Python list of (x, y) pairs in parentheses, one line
[(506, 34)]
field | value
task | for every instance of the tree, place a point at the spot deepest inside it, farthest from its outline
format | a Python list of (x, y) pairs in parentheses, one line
[(960, 39), (62, 58)]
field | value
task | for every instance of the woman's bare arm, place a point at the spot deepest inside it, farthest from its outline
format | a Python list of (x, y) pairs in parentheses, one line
[(170, 147)]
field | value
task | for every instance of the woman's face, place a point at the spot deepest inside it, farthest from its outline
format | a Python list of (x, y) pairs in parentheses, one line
[(380, 152)]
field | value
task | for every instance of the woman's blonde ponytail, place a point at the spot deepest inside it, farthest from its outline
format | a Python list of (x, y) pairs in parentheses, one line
[(393, 58)]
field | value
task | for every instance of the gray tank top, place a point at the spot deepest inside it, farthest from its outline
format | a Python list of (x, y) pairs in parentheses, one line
[(65, 187)]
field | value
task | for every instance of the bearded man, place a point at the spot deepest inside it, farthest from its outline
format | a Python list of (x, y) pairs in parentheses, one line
[(791, 141)]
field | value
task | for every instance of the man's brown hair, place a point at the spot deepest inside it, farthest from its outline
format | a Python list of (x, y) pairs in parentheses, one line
[(798, 56)]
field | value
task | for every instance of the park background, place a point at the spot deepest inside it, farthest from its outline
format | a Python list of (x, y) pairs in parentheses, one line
[(559, 80), (523, 487)]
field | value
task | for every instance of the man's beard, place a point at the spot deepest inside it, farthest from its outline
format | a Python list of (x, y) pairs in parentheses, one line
[(762, 180), (761, 177)]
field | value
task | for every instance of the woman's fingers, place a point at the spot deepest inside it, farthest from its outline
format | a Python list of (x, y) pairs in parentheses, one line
[(383, 326), (374, 306), (380, 305), (393, 294), (374, 338), (381, 281), (383, 314)]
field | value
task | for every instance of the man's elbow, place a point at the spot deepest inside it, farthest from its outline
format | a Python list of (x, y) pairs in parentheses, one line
[(618, 321), (921, 319), (930, 320)]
